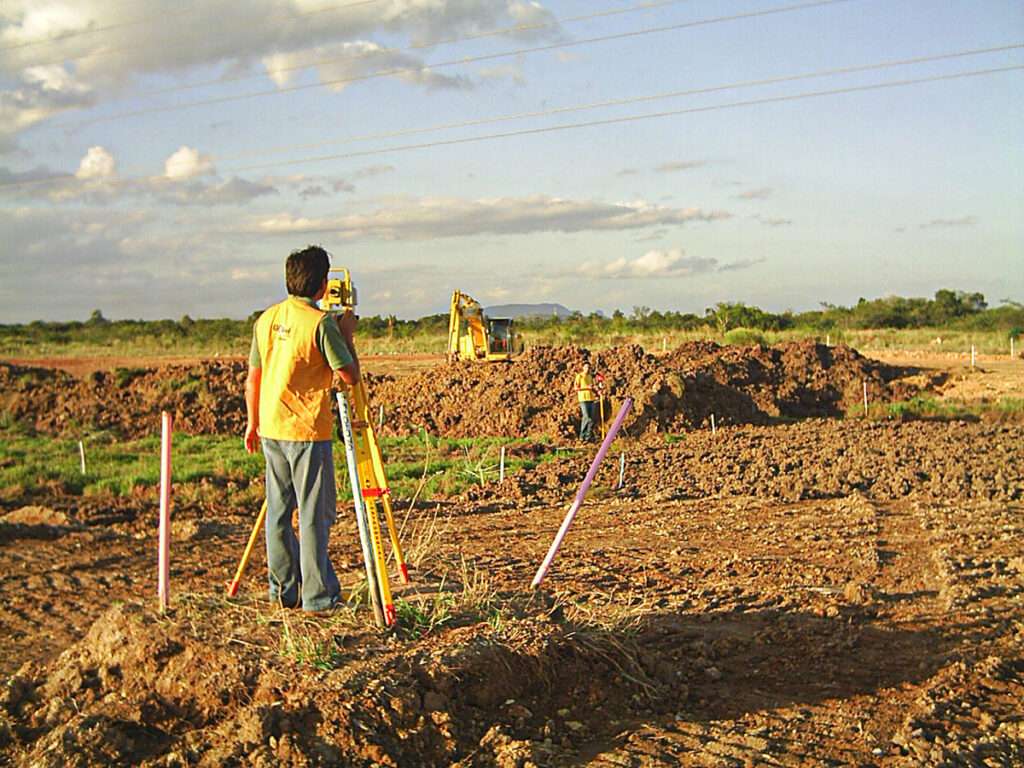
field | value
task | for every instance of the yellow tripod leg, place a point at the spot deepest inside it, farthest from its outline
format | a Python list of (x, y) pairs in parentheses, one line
[(382, 567), (233, 586), (374, 468)]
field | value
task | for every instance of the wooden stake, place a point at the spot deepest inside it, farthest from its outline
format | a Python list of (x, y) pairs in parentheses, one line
[(164, 556), (973, 356), (828, 339), (501, 466), (380, 418), (622, 469), (712, 423), (865, 398), (81, 454)]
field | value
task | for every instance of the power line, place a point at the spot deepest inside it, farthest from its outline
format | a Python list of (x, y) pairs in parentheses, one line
[(596, 123), (134, 22), (631, 100), (459, 62), (430, 44), (633, 118)]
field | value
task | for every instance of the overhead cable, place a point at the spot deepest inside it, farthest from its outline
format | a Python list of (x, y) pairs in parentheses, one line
[(517, 28), (587, 124), (627, 101), (630, 118), (456, 62)]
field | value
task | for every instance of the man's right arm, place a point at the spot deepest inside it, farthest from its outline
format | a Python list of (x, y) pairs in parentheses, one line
[(338, 346), (347, 325)]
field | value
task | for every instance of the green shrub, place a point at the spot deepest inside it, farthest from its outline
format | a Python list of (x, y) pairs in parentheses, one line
[(745, 336)]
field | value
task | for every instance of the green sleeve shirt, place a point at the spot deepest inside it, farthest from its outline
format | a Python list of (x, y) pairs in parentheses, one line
[(328, 340)]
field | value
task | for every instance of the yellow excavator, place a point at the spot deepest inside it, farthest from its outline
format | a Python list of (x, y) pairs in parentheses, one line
[(474, 336)]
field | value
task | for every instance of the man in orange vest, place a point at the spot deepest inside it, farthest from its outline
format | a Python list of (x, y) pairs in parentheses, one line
[(295, 349), (587, 394)]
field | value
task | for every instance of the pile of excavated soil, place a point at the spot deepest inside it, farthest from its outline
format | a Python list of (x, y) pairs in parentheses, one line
[(204, 399), (739, 385), (532, 395)]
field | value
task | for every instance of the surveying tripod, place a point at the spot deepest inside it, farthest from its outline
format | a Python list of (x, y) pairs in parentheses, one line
[(370, 492)]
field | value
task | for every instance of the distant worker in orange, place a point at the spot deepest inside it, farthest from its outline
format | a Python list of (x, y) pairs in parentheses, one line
[(587, 392)]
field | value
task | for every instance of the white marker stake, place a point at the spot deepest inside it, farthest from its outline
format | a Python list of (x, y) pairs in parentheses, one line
[(712, 423), (164, 561), (828, 339), (664, 343), (622, 469), (501, 466), (380, 418), (973, 356), (865, 398), (81, 454)]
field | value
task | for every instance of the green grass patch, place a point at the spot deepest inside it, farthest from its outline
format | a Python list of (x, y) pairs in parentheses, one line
[(925, 407), (424, 466)]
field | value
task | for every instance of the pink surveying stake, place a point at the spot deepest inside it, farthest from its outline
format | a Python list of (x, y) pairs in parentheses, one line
[(582, 492), (164, 555)]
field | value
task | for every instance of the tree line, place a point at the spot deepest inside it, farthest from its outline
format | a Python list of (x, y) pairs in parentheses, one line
[(951, 309)]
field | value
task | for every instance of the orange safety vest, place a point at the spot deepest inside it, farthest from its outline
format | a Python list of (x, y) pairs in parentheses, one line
[(585, 387), (295, 384)]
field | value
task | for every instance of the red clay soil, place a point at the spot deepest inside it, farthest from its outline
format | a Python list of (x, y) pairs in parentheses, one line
[(531, 395), (827, 592), (699, 616)]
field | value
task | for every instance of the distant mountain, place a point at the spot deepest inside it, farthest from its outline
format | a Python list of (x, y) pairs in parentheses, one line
[(527, 310)]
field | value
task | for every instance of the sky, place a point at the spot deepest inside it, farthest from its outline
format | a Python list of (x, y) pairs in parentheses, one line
[(161, 159)]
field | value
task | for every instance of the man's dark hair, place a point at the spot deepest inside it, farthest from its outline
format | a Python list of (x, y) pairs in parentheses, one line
[(306, 270)]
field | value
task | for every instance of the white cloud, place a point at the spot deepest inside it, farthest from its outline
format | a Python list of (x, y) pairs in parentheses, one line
[(343, 64), (432, 217), (660, 264), (187, 163), (37, 93), (772, 221), (98, 163), (657, 263), (683, 165), (146, 37), (760, 193), (957, 223)]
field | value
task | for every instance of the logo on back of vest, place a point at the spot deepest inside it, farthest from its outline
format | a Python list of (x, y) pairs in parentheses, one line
[(281, 331)]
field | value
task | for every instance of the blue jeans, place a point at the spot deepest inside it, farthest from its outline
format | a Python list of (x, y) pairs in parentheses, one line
[(300, 474), (587, 413)]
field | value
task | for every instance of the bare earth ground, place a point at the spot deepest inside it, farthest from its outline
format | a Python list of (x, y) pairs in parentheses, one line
[(827, 592)]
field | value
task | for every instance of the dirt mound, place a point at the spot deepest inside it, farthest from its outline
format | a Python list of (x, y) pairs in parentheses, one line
[(533, 394), (145, 690), (205, 399)]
